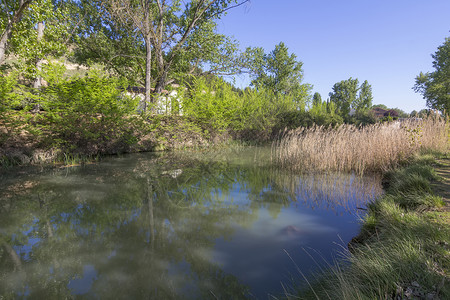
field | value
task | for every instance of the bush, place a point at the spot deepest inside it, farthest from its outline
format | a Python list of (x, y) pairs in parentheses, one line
[(90, 112), (217, 105), (12, 98)]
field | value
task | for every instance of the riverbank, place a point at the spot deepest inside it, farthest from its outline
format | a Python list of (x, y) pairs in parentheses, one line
[(34, 143), (403, 250)]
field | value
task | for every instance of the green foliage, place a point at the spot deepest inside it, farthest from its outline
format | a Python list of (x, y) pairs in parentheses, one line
[(214, 103), (9, 97), (347, 95), (100, 39), (217, 105), (322, 113), (24, 41), (317, 99), (435, 86), (89, 112), (363, 118), (182, 36), (380, 106), (344, 95), (208, 52), (13, 97), (280, 72), (364, 100)]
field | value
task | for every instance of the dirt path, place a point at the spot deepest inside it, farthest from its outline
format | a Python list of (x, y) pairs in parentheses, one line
[(442, 187)]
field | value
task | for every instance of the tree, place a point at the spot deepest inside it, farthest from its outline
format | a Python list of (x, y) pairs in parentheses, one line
[(347, 95), (209, 53), (280, 72), (423, 113), (364, 100), (380, 106), (101, 39), (10, 15), (344, 95), (165, 29), (435, 86), (42, 31), (317, 99), (401, 113)]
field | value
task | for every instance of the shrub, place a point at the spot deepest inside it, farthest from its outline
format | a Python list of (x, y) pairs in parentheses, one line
[(90, 112), (215, 104)]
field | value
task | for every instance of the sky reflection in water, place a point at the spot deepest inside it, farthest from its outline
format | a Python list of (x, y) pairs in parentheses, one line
[(193, 225)]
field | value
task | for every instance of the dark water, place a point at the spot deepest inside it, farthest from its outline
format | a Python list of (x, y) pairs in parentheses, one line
[(174, 226)]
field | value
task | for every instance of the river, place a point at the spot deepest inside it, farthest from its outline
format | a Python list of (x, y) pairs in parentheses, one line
[(182, 225)]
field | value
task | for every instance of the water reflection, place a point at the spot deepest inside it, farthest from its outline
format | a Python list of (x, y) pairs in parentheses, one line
[(192, 225)]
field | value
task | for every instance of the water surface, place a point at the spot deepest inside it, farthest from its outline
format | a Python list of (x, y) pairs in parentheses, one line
[(172, 226)]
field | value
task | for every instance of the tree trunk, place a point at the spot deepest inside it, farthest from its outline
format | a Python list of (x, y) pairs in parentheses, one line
[(148, 73), (14, 257), (3, 42), (40, 34)]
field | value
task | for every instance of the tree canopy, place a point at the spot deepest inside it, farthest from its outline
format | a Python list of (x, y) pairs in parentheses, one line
[(435, 86), (348, 95), (170, 37), (280, 72)]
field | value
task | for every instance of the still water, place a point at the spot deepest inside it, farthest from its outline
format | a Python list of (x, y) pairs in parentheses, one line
[(191, 225)]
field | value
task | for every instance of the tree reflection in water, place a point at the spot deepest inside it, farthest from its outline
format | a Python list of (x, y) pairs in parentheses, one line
[(161, 226)]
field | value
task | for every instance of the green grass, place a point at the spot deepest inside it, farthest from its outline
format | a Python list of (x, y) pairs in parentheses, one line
[(403, 249), (77, 159)]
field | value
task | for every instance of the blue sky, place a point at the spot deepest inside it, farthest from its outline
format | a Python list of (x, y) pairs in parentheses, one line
[(385, 42)]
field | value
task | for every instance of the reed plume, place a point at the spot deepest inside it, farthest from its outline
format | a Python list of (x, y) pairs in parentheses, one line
[(347, 148)]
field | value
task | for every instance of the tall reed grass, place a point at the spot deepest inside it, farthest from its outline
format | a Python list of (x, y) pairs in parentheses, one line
[(347, 148)]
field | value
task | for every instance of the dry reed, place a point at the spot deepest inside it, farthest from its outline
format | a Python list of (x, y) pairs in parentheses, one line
[(348, 148)]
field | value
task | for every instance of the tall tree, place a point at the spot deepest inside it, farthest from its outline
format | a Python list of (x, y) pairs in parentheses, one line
[(344, 95), (347, 95), (165, 28), (101, 39), (10, 15), (435, 86), (208, 52), (317, 99), (42, 31), (364, 100), (280, 72)]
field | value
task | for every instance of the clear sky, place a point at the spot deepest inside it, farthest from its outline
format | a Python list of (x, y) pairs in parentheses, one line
[(387, 42)]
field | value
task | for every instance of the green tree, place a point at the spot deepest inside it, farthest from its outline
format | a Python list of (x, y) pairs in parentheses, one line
[(43, 32), (435, 86), (348, 95), (11, 14), (344, 95), (364, 100), (380, 106), (208, 53), (280, 72), (423, 113), (317, 99), (162, 29), (401, 113), (101, 39)]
